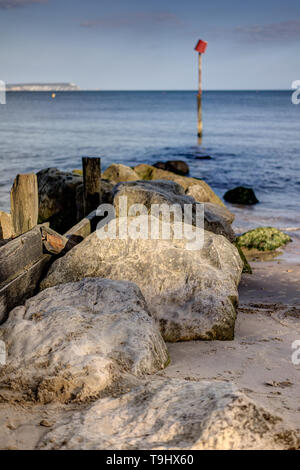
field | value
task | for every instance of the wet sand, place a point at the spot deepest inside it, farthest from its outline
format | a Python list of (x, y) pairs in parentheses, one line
[(259, 360)]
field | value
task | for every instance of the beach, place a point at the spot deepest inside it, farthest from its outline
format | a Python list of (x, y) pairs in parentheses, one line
[(258, 361), (252, 352)]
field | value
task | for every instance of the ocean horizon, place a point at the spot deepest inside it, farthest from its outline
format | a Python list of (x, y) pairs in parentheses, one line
[(251, 136)]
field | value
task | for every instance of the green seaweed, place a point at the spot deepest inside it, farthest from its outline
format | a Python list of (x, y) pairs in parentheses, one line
[(263, 239), (246, 268)]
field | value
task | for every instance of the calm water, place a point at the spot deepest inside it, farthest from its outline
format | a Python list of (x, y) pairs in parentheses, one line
[(252, 137)]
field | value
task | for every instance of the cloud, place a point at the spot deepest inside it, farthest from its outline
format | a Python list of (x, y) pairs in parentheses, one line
[(135, 19), (285, 30), (9, 4)]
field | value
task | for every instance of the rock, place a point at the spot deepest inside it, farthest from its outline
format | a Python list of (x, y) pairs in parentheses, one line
[(217, 220), (47, 424), (61, 197), (196, 188), (173, 415), (6, 228), (175, 166), (191, 293), (148, 193), (80, 340), (263, 239), (106, 195), (107, 191), (118, 173), (241, 195), (57, 198), (220, 211)]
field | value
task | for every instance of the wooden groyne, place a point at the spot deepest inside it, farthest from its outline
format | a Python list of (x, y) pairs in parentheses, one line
[(26, 256)]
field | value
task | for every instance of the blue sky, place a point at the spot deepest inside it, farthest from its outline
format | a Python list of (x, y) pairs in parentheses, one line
[(139, 45)]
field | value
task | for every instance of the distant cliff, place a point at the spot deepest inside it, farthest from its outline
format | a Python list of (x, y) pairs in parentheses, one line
[(42, 87)]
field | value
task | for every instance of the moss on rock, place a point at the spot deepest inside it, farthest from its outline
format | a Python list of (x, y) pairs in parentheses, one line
[(263, 239)]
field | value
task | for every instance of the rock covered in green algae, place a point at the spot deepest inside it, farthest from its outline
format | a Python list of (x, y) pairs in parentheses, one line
[(263, 239)]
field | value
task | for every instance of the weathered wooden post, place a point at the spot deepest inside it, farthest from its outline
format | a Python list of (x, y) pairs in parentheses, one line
[(91, 184), (200, 48), (24, 203)]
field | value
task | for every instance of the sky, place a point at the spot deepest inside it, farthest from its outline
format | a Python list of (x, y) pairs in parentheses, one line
[(149, 45)]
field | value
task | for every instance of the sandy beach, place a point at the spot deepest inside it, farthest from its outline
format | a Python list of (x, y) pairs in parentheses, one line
[(149, 228)]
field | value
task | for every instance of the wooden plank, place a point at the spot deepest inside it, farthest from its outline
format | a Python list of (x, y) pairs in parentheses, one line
[(19, 254), (85, 227), (57, 244), (24, 286), (91, 184), (24, 203), (53, 242)]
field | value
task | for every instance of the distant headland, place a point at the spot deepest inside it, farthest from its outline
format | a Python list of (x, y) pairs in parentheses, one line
[(42, 87)]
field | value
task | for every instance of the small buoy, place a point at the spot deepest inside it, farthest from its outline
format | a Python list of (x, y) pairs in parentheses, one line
[(53, 95)]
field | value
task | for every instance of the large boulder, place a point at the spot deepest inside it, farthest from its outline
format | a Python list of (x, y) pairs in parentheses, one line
[(57, 198), (148, 193), (191, 292), (175, 166), (173, 415), (119, 172), (241, 195), (194, 187), (263, 239), (80, 340)]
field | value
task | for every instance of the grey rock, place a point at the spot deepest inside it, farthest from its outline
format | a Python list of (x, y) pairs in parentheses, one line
[(173, 415), (191, 293), (80, 340), (217, 219)]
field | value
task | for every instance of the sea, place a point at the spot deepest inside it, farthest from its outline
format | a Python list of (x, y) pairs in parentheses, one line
[(251, 137)]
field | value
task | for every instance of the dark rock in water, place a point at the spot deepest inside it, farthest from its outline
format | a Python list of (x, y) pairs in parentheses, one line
[(241, 195), (175, 166)]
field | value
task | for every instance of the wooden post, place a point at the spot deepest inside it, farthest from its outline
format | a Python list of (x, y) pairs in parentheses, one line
[(91, 184), (200, 48), (24, 202), (200, 123)]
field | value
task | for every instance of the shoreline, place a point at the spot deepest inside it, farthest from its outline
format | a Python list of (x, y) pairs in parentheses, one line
[(258, 361)]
